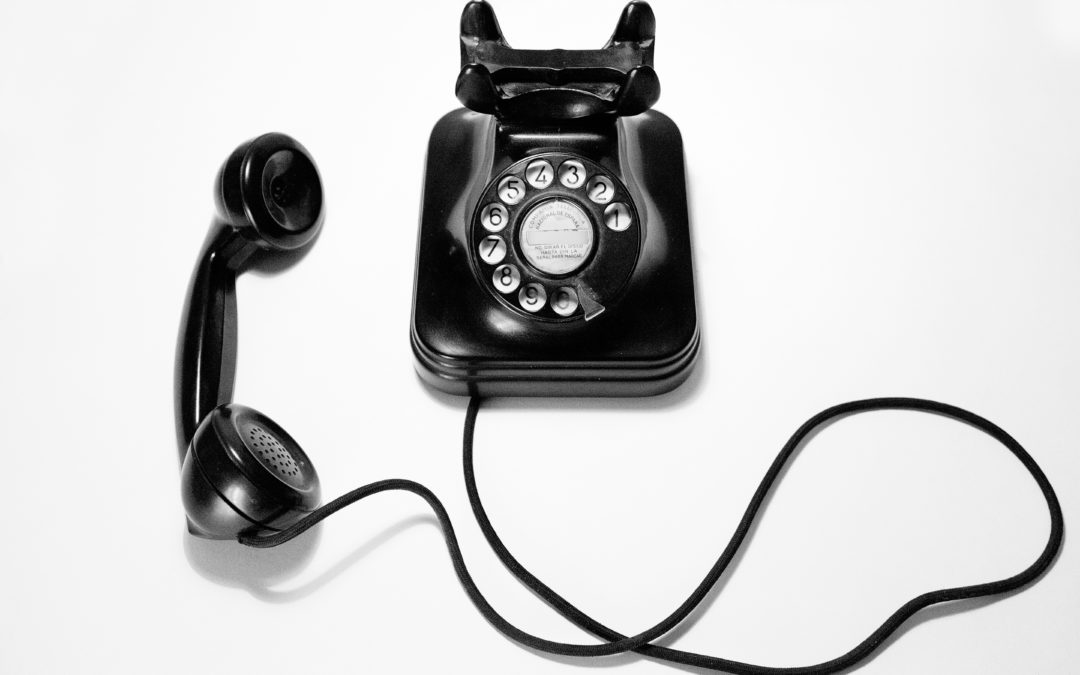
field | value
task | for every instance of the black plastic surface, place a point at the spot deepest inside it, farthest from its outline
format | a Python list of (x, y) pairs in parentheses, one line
[(467, 342), (603, 275), (234, 480), (239, 470), (557, 84), (269, 199)]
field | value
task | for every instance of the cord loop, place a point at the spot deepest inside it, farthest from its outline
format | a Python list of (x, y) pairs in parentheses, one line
[(615, 642)]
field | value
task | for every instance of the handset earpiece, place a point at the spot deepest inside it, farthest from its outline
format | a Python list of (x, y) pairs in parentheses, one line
[(269, 191), (240, 469)]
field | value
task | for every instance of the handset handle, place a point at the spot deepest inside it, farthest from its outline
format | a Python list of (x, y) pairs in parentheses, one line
[(206, 349), (268, 200)]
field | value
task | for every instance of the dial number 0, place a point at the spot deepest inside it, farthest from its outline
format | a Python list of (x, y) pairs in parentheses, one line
[(564, 301)]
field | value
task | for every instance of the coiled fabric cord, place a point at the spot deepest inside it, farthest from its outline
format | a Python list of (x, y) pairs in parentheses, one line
[(616, 642)]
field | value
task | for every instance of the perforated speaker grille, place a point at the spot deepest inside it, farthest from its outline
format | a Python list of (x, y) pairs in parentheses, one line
[(273, 454)]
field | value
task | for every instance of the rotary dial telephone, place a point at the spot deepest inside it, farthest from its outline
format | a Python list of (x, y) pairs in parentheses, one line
[(553, 259), (554, 247)]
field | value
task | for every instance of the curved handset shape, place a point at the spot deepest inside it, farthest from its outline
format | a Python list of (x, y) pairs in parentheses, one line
[(270, 203)]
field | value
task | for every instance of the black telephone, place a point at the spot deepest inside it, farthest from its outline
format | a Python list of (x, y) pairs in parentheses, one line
[(554, 246), (553, 259)]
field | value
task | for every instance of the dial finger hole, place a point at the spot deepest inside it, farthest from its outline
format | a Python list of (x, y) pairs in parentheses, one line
[(506, 278), (564, 301), (532, 297), (540, 174), (572, 174), (511, 190), (617, 217), (494, 217), (601, 190), (492, 249)]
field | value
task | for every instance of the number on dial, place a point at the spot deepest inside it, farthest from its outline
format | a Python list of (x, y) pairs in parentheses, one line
[(564, 301), (532, 297), (506, 278), (572, 174), (601, 189), (539, 174), (494, 217), (492, 249), (617, 217), (511, 190)]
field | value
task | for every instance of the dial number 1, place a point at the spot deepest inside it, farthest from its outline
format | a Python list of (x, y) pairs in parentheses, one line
[(617, 217)]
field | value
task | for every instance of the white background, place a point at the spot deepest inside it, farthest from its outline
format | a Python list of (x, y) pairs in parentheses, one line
[(885, 200)]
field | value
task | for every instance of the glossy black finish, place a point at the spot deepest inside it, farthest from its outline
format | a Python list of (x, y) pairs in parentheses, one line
[(560, 84), (636, 331), (601, 278), (269, 203), (467, 342), (241, 471), (244, 472)]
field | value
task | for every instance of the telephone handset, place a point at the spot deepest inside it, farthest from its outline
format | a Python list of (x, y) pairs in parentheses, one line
[(554, 245)]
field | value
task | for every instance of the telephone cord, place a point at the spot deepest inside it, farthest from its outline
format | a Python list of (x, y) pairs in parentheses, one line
[(641, 643)]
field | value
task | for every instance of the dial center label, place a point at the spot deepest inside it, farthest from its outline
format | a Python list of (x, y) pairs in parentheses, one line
[(556, 236)]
